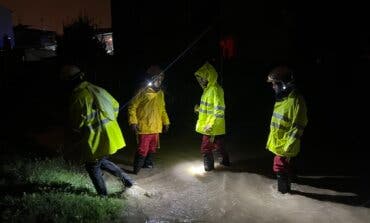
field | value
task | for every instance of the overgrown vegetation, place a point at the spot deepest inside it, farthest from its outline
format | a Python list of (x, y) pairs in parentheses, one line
[(52, 190), (79, 44)]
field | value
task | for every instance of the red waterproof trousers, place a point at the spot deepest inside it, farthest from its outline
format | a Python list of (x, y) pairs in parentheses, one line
[(281, 164), (148, 143)]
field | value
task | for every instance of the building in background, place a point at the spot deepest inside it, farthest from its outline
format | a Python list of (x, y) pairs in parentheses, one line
[(6, 28), (105, 36), (27, 37), (35, 44)]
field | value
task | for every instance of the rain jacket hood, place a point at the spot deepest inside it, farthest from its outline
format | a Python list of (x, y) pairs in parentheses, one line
[(102, 100), (209, 73)]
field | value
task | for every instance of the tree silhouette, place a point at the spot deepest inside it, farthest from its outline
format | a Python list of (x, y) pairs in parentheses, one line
[(79, 44)]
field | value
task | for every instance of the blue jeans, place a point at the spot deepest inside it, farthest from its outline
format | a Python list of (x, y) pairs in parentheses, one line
[(95, 172)]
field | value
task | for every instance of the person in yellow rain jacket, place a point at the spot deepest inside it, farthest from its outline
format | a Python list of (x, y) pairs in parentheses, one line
[(147, 117), (288, 121), (93, 125), (211, 117)]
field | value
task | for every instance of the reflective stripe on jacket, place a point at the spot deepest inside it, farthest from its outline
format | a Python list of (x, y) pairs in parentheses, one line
[(90, 111), (288, 121)]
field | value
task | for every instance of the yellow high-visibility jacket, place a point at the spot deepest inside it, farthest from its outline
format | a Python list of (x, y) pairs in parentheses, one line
[(148, 111), (288, 121), (212, 104), (93, 113)]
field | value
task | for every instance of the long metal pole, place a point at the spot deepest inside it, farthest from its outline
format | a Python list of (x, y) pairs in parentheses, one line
[(169, 65)]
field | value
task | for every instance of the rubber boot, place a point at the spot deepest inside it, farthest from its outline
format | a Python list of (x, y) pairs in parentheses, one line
[(208, 162), (148, 163), (223, 157), (283, 183), (224, 160), (126, 180), (138, 163)]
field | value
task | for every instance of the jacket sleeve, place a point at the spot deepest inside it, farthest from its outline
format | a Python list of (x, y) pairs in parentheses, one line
[(78, 113), (299, 122), (132, 117), (115, 106), (164, 115), (113, 103)]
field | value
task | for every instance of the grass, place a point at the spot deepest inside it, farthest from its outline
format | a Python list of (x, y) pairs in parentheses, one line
[(53, 190)]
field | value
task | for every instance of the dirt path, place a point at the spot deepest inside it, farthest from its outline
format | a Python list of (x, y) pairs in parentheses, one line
[(176, 194)]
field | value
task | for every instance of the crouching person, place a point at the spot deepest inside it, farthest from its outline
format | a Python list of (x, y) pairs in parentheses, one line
[(94, 128)]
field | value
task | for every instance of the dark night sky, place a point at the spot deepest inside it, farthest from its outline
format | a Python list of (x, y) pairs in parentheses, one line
[(51, 15), (327, 44)]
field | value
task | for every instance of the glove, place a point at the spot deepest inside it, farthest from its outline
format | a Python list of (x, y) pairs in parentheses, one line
[(135, 128), (207, 128), (165, 128), (196, 109)]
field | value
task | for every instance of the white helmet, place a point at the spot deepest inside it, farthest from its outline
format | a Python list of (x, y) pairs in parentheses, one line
[(70, 72)]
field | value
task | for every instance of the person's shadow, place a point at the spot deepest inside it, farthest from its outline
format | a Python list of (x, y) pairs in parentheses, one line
[(357, 187)]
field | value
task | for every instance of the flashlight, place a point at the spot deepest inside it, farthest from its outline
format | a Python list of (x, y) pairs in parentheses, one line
[(150, 83)]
